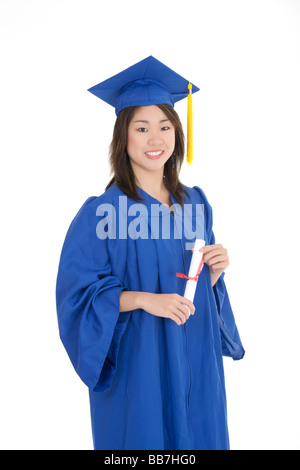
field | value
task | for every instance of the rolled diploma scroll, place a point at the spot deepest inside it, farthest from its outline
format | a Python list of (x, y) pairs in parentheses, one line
[(191, 284)]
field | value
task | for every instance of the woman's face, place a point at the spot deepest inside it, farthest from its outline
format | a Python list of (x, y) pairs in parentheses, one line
[(151, 138)]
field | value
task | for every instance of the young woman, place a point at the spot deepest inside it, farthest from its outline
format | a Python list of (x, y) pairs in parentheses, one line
[(151, 358)]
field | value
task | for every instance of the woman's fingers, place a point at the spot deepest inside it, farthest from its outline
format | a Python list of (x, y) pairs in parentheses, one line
[(172, 306), (183, 310), (182, 313), (215, 256), (216, 259), (185, 306), (188, 304), (175, 318)]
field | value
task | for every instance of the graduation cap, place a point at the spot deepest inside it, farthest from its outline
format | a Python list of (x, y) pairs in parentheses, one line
[(149, 82)]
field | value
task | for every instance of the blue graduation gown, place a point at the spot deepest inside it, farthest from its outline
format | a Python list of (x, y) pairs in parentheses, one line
[(153, 384)]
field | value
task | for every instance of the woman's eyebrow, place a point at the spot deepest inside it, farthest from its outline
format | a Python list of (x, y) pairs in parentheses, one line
[(147, 122)]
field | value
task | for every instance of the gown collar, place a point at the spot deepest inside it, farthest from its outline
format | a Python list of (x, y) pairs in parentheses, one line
[(152, 200)]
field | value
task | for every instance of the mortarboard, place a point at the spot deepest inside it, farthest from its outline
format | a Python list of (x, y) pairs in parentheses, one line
[(149, 82)]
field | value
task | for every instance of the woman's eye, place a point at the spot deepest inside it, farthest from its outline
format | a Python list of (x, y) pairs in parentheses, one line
[(144, 129)]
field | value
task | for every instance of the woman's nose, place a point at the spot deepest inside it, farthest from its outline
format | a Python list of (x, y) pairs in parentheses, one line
[(155, 139)]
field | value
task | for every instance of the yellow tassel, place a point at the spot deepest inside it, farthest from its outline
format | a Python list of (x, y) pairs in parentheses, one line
[(189, 156)]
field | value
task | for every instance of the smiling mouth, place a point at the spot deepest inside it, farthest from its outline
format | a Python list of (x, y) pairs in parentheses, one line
[(154, 155)]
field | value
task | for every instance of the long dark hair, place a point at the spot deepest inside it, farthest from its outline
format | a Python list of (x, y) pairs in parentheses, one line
[(120, 162)]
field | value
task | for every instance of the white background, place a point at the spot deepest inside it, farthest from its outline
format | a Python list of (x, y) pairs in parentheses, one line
[(245, 57)]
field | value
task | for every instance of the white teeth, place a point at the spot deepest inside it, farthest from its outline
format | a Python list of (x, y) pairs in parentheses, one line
[(154, 154)]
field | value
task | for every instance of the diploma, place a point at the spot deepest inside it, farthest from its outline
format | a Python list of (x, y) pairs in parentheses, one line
[(194, 271)]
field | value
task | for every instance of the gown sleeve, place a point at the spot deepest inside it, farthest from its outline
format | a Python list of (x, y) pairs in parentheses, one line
[(230, 338), (88, 299)]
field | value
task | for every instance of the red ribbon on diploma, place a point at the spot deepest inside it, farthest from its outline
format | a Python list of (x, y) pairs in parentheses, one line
[(189, 278)]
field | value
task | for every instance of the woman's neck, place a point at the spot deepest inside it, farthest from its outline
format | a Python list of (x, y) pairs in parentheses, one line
[(151, 182)]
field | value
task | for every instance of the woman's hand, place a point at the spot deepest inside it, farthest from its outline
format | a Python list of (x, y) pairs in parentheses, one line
[(172, 306), (216, 257)]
